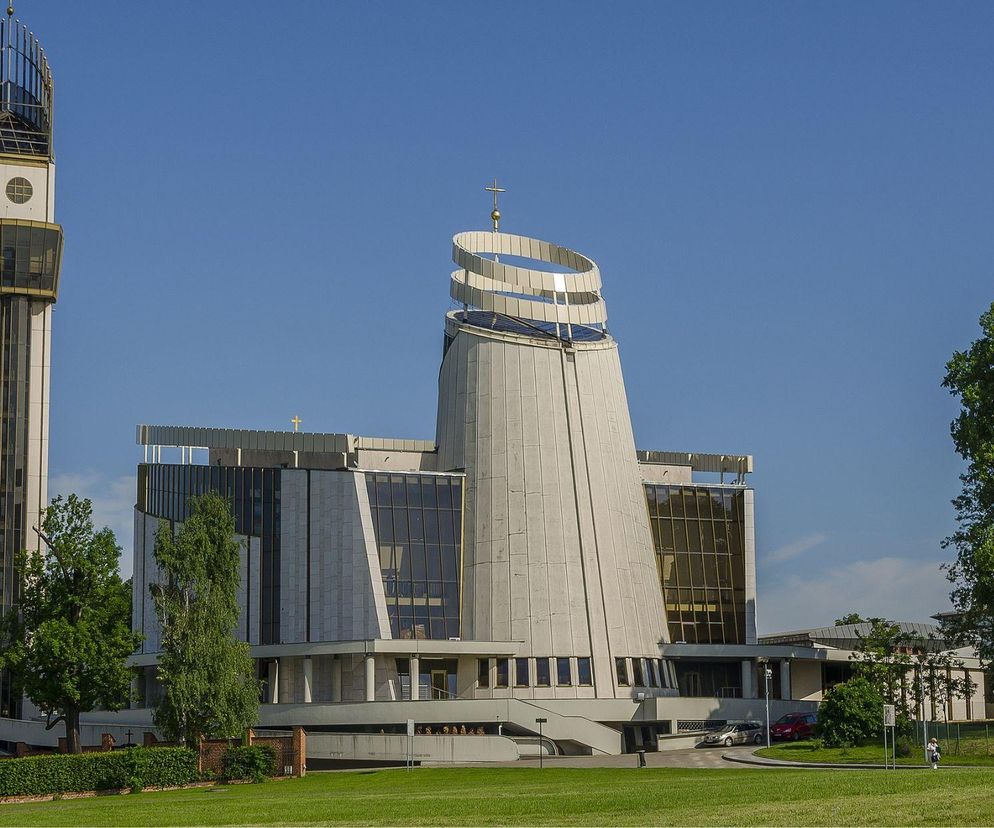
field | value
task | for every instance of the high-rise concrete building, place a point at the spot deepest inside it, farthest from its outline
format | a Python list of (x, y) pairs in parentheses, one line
[(31, 250)]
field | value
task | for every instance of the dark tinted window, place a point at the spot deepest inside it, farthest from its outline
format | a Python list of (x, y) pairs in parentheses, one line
[(418, 531), (584, 677), (502, 672)]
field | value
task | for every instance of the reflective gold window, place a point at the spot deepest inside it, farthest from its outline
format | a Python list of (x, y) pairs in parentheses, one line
[(698, 535)]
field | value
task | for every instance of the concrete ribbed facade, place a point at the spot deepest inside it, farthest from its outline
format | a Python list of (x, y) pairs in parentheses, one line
[(557, 552)]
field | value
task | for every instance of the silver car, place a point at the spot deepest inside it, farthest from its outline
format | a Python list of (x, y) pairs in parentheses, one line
[(743, 733)]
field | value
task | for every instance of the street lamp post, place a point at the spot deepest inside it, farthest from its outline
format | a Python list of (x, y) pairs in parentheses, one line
[(767, 675), (541, 746)]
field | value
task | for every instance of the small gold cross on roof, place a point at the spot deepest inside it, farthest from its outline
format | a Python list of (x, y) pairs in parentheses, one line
[(296, 422), (495, 215)]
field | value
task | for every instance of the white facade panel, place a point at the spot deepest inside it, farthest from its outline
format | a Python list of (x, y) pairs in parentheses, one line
[(557, 551)]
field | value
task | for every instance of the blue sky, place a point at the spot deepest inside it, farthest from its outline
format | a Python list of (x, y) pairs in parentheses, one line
[(790, 203)]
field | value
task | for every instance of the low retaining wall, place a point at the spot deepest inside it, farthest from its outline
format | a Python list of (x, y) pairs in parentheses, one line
[(393, 747)]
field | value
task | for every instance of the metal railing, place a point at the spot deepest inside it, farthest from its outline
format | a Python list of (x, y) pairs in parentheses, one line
[(26, 90), (960, 738)]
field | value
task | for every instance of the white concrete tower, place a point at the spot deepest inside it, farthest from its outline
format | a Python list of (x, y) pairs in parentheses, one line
[(532, 404), (30, 258)]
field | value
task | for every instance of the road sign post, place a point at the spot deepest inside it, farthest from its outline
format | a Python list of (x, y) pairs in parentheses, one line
[(890, 723)]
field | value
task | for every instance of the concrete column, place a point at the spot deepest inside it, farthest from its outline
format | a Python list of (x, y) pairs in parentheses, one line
[(785, 679), (748, 686), (308, 679), (336, 679), (370, 682), (415, 671), (274, 681)]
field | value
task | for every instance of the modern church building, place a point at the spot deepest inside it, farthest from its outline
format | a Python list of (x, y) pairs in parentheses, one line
[(31, 250), (527, 580), (529, 563)]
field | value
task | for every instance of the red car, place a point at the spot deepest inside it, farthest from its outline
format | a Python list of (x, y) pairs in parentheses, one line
[(794, 726)]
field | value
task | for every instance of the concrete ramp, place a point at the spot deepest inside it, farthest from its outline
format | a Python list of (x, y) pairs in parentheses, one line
[(601, 739)]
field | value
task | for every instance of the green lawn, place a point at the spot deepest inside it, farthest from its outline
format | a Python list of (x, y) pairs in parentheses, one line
[(870, 754), (554, 796)]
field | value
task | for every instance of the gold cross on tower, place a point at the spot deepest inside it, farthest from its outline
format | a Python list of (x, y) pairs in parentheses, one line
[(296, 422), (495, 215)]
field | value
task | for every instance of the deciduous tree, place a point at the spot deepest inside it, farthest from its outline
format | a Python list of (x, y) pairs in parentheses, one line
[(209, 687), (970, 378), (68, 643), (851, 713), (905, 669)]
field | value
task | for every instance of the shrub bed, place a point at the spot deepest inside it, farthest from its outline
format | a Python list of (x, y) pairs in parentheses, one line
[(255, 763), (131, 768)]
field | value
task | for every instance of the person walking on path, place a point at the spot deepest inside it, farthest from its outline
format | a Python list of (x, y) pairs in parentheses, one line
[(932, 750)]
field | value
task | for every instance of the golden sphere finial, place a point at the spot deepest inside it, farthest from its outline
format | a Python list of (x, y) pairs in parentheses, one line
[(495, 215)]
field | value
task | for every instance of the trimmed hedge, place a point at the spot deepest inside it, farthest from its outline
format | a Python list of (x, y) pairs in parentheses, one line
[(255, 762), (130, 768)]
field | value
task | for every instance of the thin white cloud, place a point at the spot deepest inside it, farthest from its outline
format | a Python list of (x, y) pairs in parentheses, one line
[(113, 502), (792, 550), (899, 589)]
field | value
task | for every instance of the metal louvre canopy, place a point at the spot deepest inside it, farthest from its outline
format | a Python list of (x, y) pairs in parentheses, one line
[(232, 438), (727, 463)]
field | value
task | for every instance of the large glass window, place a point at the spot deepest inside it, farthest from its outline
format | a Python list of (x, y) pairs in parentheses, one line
[(418, 524), (564, 677), (483, 672), (698, 532), (31, 255), (254, 494), (621, 668), (542, 675), (709, 679)]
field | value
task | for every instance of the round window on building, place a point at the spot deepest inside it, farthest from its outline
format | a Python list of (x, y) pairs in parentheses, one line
[(19, 190)]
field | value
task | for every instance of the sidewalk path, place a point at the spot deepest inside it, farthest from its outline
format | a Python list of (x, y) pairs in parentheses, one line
[(688, 758)]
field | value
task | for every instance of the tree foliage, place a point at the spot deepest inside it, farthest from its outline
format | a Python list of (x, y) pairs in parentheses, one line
[(970, 377), (851, 714), (904, 669), (207, 675), (68, 644)]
